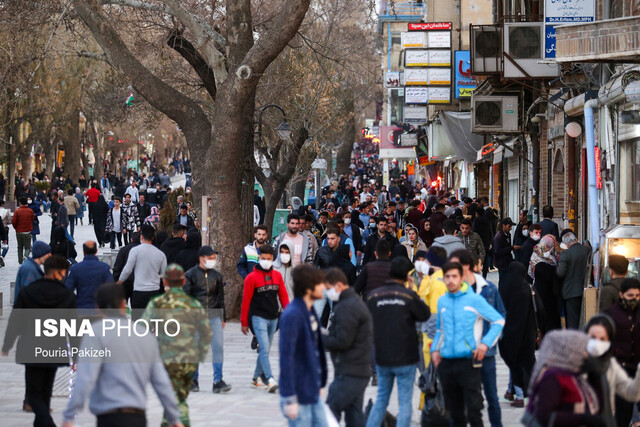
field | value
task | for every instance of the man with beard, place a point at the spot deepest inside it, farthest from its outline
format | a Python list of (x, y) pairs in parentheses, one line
[(298, 243), (250, 253)]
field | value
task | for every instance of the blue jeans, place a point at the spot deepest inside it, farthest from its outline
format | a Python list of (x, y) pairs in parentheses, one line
[(310, 415), (264, 329), (406, 376), (217, 341), (490, 387), (514, 389), (72, 226)]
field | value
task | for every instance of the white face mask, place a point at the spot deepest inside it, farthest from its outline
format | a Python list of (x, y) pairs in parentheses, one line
[(210, 264), (347, 221), (597, 348), (29, 201), (525, 233), (285, 258), (546, 254), (535, 237), (564, 246), (422, 267), (265, 264), (332, 294)]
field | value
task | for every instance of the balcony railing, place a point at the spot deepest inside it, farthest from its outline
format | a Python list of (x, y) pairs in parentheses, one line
[(403, 11)]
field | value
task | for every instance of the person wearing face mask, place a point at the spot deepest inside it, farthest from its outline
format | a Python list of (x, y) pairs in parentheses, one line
[(204, 282), (36, 222), (50, 293), (626, 343), (297, 242), (519, 237), (283, 265), (349, 339), (353, 232), (559, 394), (533, 237), (263, 287), (542, 269), (572, 269), (622, 389)]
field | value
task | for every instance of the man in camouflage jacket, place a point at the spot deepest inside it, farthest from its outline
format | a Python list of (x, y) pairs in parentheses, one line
[(131, 218), (180, 353)]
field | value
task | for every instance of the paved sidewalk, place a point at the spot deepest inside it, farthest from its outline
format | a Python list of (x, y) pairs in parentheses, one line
[(243, 406)]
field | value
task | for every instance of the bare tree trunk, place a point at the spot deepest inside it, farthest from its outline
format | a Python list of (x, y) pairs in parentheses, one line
[(50, 156), (72, 149), (98, 144)]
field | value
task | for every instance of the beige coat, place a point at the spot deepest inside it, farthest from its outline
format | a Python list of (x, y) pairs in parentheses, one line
[(411, 249), (620, 383), (71, 203)]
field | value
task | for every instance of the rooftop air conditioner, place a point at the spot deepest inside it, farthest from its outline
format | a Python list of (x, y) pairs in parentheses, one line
[(524, 47), (486, 49), (494, 114)]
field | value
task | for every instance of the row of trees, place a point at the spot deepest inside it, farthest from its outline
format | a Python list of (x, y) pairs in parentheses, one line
[(208, 66)]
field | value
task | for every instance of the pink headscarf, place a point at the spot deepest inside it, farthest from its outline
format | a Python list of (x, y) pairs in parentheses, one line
[(543, 252)]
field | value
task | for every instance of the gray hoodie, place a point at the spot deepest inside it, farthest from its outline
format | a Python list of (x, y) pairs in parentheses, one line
[(449, 243)]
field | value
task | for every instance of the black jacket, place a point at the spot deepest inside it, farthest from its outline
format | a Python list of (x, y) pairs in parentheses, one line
[(526, 251), (326, 258), (372, 241), (626, 343), (190, 221), (144, 210), (45, 294), (483, 228), (373, 275), (207, 287), (188, 257), (171, 247), (118, 266), (395, 311), (502, 250), (572, 268), (549, 227), (350, 336)]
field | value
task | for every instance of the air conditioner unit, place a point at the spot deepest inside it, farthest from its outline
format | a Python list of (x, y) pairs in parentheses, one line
[(486, 49), (494, 114), (524, 48)]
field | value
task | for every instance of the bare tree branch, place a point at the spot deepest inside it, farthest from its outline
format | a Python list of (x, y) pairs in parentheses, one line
[(93, 55), (177, 42)]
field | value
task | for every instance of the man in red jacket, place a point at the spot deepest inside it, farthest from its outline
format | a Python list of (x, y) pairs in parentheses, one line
[(23, 224), (92, 197), (262, 289)]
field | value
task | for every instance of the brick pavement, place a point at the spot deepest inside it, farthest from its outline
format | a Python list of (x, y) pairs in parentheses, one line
[(243, 406)]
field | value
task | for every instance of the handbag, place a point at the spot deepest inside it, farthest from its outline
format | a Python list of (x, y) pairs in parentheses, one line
[(535, 316), (434, 412)]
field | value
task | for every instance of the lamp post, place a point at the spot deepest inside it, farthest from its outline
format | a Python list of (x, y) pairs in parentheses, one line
[(284, 132)]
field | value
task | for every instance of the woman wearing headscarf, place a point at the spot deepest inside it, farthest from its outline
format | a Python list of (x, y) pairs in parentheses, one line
[(559, 394), (542, 268), (100, 212), (605, 371), (413, 244), (518, 342), (80, 211), (154, 218), (426, 234)]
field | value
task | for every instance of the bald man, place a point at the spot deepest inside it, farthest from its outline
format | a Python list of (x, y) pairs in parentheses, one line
[(86, 276)]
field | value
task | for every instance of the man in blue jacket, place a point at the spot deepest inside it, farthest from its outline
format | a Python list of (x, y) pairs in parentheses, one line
[(31, 269), (86, 277), (458, 346), (489, 292), (303, 363)]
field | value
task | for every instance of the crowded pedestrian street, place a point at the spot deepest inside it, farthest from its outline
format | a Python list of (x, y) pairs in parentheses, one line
[(320, 213), (242, 406)]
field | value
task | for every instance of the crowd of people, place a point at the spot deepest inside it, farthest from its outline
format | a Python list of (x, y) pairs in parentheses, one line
[(390, 280)]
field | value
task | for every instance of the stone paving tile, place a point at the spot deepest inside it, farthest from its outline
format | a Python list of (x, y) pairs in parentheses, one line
[(242, 406)]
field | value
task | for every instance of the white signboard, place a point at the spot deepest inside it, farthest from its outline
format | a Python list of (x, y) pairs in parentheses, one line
[(319, 164), (416, 95), (416, 58), (413, 39), (440, 58), (439, 76), (416, 76), (569, 10), (415, 114), (392, 79), (439, 95), (439, 39), (408, 140)]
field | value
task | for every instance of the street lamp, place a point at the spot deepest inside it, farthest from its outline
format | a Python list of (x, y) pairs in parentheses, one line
[(284, 129)]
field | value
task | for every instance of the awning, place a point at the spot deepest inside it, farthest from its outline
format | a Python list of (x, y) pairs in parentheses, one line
[(440, 147), (457, 126), (508, 152)]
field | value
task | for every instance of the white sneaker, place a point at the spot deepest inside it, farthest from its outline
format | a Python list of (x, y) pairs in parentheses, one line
[(257, 383), (272, 386)]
